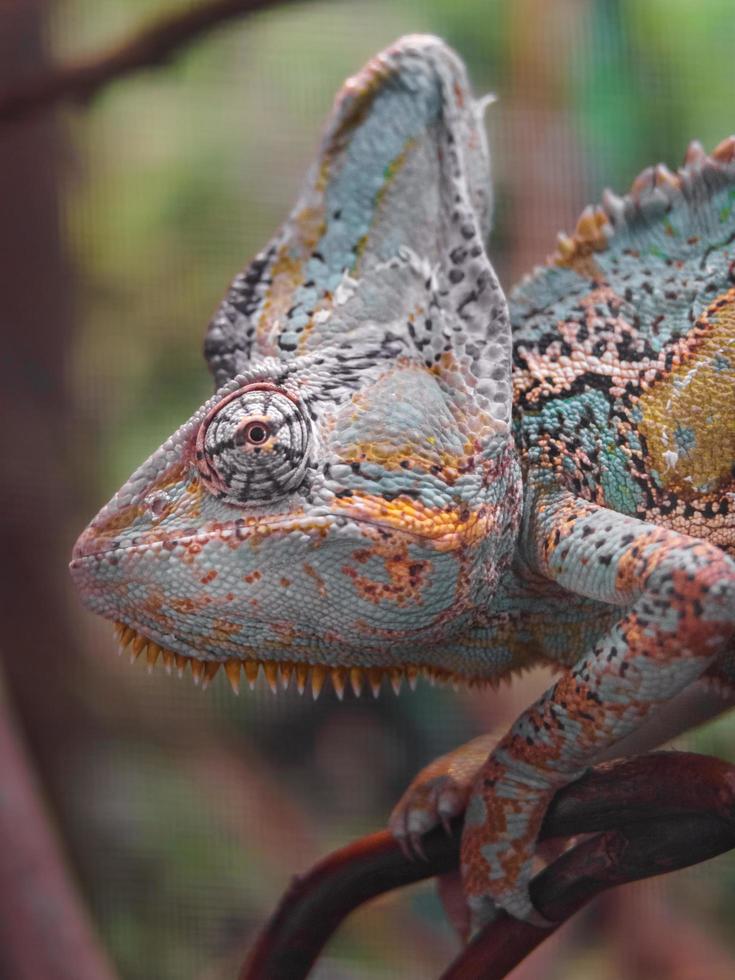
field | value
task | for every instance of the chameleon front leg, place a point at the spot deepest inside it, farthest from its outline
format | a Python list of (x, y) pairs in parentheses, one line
[(442, 789), (677, 600)]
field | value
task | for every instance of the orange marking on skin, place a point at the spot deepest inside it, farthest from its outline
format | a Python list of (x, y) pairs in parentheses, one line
[(286, 279), (287, 273), (260, 530), (210, 576), (358, 93), (185, 606), (320, 583), (513, 855), (286, 633), (446, 466), (224, 628), (695, 631), (152, 609), (632, 565), (191, 550), (406, 580), (449, 529), (195, 490)]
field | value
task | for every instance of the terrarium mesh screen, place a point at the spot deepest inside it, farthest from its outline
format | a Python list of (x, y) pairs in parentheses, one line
[(187, 813)]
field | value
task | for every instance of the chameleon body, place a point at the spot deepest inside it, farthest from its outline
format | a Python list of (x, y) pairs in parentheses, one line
[(384, 484)]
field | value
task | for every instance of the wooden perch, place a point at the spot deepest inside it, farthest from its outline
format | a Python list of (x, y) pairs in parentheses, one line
[(649, 815), (150, 47)]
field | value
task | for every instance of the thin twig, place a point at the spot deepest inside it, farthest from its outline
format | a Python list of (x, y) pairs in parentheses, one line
[(650, 814), (149, 47)]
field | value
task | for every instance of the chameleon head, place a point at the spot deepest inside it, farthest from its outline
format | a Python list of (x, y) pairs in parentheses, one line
[(350, 495), (361, 529)]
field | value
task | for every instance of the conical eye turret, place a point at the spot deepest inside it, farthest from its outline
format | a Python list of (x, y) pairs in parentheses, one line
[(254, 446)]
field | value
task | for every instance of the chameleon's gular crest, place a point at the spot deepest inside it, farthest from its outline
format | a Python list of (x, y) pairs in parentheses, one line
[(350, 495)]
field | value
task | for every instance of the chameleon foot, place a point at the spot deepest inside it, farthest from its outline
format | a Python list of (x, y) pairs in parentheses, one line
[(502, 821), (438, 794)]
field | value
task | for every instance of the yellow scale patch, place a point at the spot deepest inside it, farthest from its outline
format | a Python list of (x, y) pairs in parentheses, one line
[(287, 274), (448, 530), (689, 416)]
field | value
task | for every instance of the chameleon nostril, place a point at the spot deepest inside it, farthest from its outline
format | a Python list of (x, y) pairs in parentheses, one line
[(156, 504)]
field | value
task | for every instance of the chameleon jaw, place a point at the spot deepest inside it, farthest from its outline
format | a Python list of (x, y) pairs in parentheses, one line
[(278, 674)]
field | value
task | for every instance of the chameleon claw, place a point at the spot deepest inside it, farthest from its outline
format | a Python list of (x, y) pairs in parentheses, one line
[(417, 846), (405, 846), (446, 823)]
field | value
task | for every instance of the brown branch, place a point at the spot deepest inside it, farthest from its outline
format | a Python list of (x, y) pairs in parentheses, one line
[(150, 47), (650, 814), (44, 928)]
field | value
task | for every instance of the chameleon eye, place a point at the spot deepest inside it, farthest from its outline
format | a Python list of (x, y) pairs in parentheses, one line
[(256, 433), (254, 445)]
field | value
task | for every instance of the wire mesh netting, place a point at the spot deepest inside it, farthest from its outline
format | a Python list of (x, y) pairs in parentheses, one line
[(186, 813)]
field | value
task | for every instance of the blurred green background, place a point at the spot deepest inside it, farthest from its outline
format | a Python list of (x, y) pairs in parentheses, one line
[(187, 813)]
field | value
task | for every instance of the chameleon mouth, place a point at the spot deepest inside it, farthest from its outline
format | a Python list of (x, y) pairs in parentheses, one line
[(278, 674)]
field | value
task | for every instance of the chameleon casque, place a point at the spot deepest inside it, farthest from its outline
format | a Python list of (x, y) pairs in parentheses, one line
[(396, 476)]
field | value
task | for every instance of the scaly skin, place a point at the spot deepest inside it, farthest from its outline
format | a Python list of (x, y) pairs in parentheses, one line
[(360, 496)]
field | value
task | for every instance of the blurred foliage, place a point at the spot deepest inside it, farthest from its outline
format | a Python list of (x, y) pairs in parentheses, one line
[(193, 811)]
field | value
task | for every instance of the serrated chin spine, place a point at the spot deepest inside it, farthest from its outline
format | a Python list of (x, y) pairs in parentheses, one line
[(278, 675)]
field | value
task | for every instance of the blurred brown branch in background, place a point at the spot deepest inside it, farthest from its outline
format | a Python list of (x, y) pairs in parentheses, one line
[(44, 929), (151, 46), (648, 815)]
